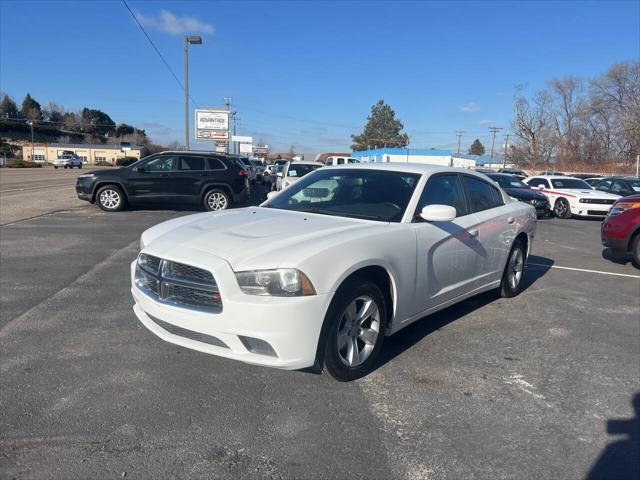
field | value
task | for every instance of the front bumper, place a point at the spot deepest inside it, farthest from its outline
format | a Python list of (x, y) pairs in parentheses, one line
[(290, 325), (84, 191)]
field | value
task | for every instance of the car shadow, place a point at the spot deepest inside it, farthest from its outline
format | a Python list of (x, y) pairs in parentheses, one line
[(406, 338), (621, 458)]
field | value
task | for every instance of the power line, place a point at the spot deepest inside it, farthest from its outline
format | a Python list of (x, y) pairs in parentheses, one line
[(158, 52), (494, 130)]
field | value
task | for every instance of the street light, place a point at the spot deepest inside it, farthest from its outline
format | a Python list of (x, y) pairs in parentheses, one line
[(193, 40), (31, 124)]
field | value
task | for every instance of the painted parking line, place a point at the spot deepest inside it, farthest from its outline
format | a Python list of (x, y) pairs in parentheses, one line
[(542, 265)]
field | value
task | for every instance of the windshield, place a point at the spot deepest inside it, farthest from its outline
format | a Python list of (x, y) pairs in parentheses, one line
[(571, 183), (507, 181), (300, 170), (355, 193)]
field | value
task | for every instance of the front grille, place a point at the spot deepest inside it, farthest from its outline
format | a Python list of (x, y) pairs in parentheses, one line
[(596, 212), (190, 334), (177, 284), (599, 201)]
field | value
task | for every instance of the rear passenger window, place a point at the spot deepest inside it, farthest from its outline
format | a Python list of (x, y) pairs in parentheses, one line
[(214, 164), (443, 190), (481, 195), (191, 163)]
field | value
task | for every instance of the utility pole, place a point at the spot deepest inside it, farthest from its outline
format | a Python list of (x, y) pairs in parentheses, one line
[(506, 149), (227, 103), (194, 40), (459, 135), (494, 130)]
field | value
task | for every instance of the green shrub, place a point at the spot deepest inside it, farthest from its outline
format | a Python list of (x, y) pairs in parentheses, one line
[(103, 164), (123, 162), (23, 164)]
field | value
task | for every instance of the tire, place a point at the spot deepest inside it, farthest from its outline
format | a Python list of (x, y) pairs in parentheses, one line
[(635, 251), (561, 209), (66, 166), (80, 166), (55, 166), (216, 200), (511, 284), (110, 198), (348, 349)]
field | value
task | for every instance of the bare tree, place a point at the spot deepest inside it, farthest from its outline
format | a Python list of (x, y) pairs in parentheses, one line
[(533, 127)]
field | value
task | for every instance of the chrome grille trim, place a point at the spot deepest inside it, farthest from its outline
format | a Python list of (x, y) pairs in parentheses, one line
[(177, 284), (190, 334)]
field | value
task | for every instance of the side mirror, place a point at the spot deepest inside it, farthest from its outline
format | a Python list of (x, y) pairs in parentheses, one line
[(270, 195), (438, 213), (279, 174), (139, 169)]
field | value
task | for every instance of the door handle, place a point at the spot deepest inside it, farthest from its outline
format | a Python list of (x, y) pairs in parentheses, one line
[(474, 232), (510, 220)]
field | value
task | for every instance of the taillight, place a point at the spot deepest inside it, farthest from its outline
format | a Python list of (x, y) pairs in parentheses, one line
[(241, 173)]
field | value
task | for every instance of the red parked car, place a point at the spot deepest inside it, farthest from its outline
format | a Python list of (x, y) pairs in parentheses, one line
[(620, 230)]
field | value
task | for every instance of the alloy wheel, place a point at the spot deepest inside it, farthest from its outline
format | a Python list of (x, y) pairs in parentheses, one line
[(358, 331), (516, 266), (217, 201), (110, 198)]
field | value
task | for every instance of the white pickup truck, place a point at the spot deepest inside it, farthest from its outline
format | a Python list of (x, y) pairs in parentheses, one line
[(67, 161)]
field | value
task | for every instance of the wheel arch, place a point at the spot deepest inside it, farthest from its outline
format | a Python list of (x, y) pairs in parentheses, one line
[(212, 185), (524, 238), (635, 231), (104, 183), (380, 273)]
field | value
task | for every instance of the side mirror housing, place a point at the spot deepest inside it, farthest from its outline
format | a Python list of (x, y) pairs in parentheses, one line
[(279, 174), (270, 195), (438, 213), (139, 169)]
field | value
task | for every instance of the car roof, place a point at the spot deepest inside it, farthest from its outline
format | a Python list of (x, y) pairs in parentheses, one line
[(418, 168), (303, 162), (555, 177)]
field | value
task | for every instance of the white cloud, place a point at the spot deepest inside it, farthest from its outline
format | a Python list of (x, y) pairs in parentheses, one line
[(487, 123), (172, 24), (470, 107)]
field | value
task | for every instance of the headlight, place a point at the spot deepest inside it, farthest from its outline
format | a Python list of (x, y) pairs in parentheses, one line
[(86, 176), (621, 207), (283, 282)]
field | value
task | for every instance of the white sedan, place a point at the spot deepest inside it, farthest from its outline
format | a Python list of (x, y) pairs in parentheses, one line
[(322, 271), (572, 196)]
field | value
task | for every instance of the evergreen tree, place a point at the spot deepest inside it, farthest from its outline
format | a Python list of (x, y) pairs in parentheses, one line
[(31, 109), (476, 148), (8, 108), (382, 129)]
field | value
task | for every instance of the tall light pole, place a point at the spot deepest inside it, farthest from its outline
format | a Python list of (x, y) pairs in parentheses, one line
[(193, 40), (30, 122)]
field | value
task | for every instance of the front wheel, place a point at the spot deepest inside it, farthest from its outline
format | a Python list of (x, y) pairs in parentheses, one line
[(216, 200), (354, 331), (80, 166), (562, 209), (110, 198), (55, 166), (513, 271), (635, 251)]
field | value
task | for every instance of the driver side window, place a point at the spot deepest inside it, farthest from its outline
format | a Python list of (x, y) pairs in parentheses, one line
[(160, 164), (444, 190)]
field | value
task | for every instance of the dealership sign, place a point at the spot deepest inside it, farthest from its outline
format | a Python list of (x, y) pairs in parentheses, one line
[(212, 124)]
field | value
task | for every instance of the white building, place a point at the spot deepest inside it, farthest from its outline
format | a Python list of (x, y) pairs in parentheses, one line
[(413, 155)]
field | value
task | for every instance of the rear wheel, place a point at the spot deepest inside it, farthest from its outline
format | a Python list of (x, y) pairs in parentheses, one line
[(55, 166), (562, 209), (216, 200), (354, 331), (513, 271), (110, 198)]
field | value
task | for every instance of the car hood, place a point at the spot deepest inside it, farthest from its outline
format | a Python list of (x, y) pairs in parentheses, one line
[(255, 237), (524, 194), (582, 193)]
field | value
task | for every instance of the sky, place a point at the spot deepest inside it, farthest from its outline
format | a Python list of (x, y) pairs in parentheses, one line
[(306, 73)]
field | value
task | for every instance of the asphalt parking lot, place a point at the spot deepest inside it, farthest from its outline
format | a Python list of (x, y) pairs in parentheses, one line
[(490, 388)]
